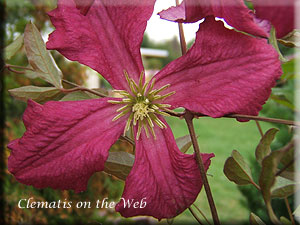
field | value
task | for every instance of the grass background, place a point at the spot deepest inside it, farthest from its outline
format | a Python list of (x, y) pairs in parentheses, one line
[(221, 136)]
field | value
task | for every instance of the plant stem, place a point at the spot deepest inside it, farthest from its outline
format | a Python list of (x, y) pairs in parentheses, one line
[(271, 213), (259, 128), (81, 89), (201, 214), (240, 116), (289, 210), (181, 35), (195, 216), (265, 119), (189, 120)]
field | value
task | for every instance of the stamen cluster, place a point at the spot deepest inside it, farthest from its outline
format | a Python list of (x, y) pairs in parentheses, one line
[(143, 105)]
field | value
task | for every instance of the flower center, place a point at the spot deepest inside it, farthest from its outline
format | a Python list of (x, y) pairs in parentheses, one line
[(143, 105), (141, 110)]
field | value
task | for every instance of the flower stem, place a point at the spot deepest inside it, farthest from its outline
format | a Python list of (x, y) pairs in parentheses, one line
[(202, 214), (195, 216), (289, 210), (181, 35), (188, 116)]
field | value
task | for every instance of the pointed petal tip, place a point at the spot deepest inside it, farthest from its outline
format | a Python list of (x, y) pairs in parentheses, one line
[(167, 179)]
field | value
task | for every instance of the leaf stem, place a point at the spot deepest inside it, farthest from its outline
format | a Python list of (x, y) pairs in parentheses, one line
[(289, 210), (259, 128), (201, 214), (80, 88), (271, 213), (189, 120), (195, 216)]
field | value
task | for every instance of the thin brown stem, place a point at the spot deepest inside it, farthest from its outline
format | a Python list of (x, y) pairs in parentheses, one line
[(256, 186), (259, 128), (18, 67), (80, 88), (265, 119), (195, 216), (15, 71), (189, 121), (181, 35), (202, 214), (289, 210), (240, 116)]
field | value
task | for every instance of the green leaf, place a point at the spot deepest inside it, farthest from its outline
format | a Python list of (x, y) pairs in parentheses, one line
[(291, 39), (283, 188), (273, 42), (267, 176), (288, 175), (296, 213), (76, 96), (237, 170), (39, 58), (282, 101), (263, 149), (255, 220), (31, 74), (184, 143), (288, 159), (13, 47), (38, 94), (119, 164), (288, 69), (285, 221)]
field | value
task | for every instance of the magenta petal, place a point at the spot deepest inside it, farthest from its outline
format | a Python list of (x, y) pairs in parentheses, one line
[(279, 12), (163, 177), (107, 38), (64, 143), (224, 72), (234, 12)]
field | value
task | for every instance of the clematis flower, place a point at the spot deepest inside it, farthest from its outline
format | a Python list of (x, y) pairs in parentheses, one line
[(279, 13), (66, 142)]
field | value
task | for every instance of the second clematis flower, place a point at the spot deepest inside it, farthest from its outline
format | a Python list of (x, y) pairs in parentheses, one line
[(66, 142), (279, 13)]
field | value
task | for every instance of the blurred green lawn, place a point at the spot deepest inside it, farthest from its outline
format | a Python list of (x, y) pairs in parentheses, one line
[(221, 136)]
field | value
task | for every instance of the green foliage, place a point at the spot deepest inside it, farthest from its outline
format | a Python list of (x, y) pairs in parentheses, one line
[(38, 94), (237, 170), (291, 40), (255, 220), (14, 47), (263, 148), (184, 143), (119, 164), (269, 173), (39, 58)]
